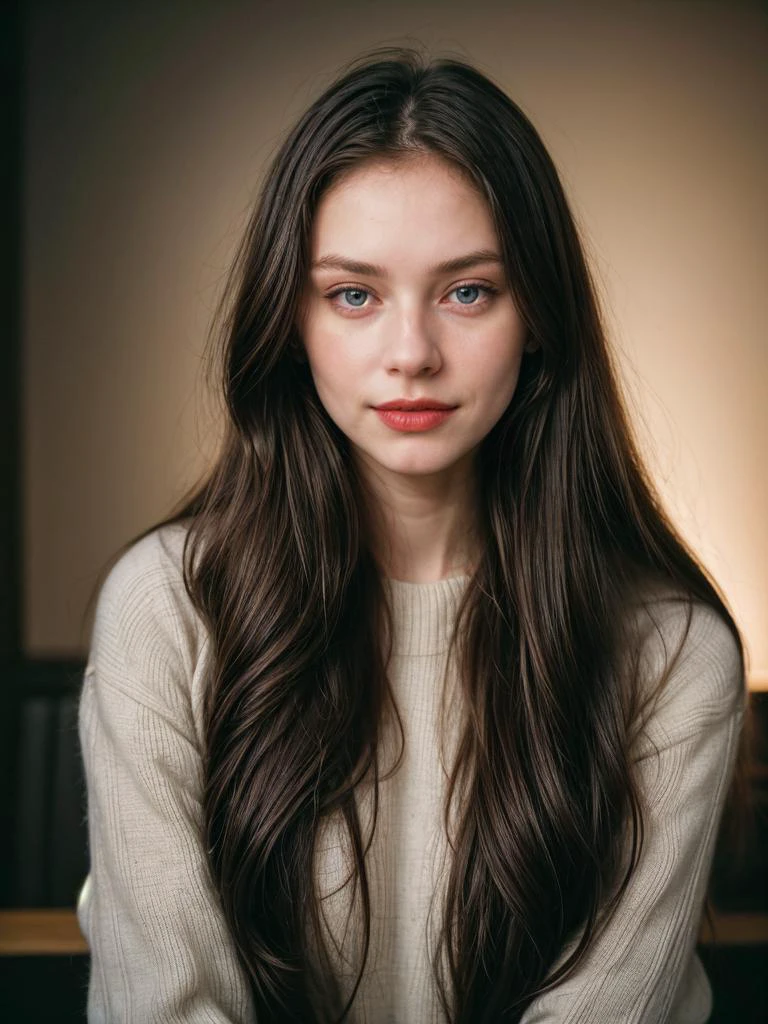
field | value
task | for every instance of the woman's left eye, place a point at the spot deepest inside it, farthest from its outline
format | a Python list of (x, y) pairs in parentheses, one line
[(468, 294)]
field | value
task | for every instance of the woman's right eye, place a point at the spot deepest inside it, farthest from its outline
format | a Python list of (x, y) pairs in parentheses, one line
[(355, 297)]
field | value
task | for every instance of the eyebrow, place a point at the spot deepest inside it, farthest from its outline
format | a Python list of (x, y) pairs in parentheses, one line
[(332, 261)]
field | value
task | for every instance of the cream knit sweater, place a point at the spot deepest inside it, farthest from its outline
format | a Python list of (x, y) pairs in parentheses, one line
[(160, 949)]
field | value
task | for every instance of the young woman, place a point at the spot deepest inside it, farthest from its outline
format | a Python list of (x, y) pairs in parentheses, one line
[(419, 710)]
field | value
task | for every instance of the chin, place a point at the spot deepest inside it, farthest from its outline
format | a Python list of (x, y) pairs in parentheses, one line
[(419, 467)]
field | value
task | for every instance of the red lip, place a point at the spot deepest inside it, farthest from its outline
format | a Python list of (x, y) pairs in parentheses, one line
[(414, 404)]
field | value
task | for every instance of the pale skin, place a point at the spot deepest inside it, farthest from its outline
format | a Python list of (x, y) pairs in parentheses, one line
[(406, 328)]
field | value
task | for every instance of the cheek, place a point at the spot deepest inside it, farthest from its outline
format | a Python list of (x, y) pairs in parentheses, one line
[(334, 370), (335, 355), (497, 365), (330, 361)]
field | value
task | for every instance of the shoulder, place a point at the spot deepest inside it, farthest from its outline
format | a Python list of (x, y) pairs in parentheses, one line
[(151, 569), (691, 665), (145, 622)]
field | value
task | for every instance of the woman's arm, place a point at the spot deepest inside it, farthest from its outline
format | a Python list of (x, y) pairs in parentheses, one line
[(641, 971), (160, 949)]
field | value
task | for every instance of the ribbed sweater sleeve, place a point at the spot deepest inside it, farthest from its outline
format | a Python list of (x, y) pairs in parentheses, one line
[(643, 970), (160, 949)]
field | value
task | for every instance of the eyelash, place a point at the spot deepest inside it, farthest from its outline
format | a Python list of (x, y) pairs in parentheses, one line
[(489, 290)]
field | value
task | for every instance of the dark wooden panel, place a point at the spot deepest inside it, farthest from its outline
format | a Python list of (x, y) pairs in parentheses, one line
[(10, 391), (48, 852)]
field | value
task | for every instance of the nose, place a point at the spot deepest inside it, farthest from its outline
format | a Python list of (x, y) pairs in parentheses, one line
[(413, 348)]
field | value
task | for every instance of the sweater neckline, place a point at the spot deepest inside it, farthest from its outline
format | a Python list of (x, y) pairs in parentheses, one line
[(423, 614)]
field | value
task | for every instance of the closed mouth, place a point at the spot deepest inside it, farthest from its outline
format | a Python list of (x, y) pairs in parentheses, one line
[(415, 406)]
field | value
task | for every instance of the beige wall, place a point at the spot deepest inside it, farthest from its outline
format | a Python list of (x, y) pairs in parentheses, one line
[(147, 129)]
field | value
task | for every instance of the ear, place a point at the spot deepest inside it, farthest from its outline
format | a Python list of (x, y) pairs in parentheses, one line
[(531, 346)]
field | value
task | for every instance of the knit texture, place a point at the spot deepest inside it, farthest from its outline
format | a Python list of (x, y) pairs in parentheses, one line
[(161, 952)]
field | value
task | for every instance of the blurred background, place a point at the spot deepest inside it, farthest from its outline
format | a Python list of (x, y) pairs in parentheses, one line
[(134, 137)]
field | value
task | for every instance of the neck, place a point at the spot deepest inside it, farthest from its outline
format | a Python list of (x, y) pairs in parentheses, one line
[(425, 527)]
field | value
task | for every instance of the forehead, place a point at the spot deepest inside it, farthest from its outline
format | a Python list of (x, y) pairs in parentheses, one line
[(421, 200)]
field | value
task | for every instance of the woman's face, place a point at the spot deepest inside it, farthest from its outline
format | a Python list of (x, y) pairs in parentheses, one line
[(385, 317)]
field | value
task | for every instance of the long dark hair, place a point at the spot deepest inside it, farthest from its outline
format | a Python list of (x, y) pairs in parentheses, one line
[(279, 562)]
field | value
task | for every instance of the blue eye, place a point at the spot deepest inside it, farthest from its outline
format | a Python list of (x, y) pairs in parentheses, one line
[(467, 293), (355, 296)]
